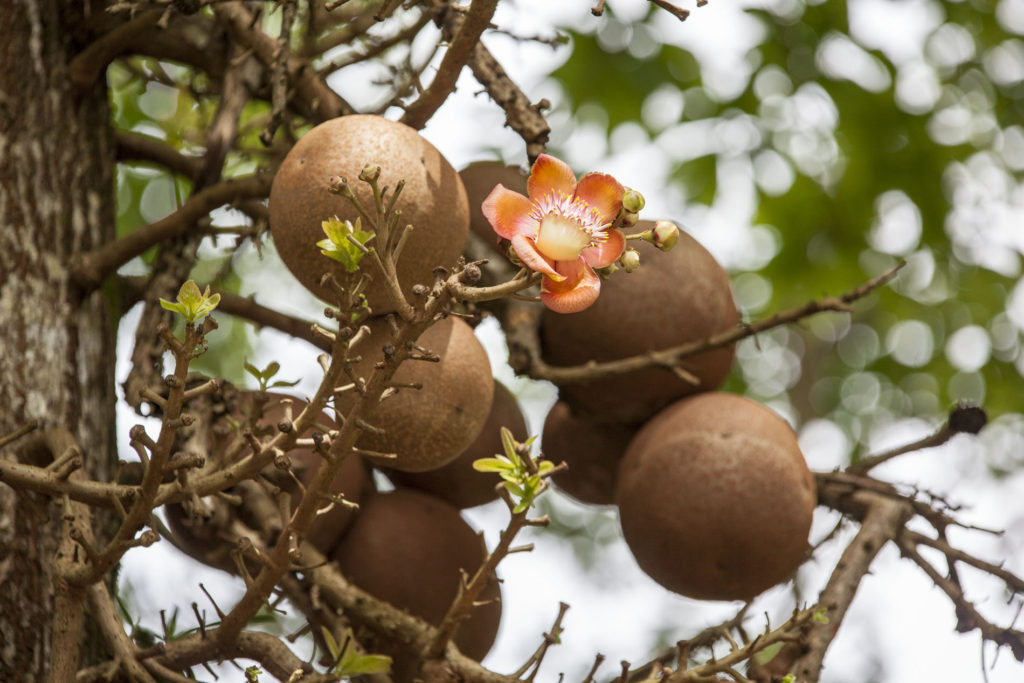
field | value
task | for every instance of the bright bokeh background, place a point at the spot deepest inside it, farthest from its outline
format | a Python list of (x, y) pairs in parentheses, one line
[(808, 145)]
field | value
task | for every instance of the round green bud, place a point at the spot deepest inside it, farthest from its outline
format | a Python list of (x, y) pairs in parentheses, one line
[(633, 201), (630, 260), (666, 234), (370, 173)]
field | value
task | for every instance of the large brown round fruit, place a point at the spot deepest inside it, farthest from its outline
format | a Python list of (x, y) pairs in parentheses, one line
[(715, 498), (480, 178), (591, 448), (428, 427), (409, 549), (676, 297), (433, 201), (203, 538), (457, 482)]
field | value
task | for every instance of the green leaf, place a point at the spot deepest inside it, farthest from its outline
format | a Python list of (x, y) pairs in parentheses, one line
[(189, 294), (176, 308), (364, 664), (332, 644), (521, 506), (271, 370), (768, 654), (492, 465), (251, 369), (284, 383), (820, 617), (339, 246), (192, 304), (508, 444), (514, 489)]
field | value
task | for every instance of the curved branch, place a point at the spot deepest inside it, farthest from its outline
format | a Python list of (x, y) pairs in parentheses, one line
[(190, 40), (243, 307), (520, 114), (390, 622), (182, 653), (967, 419), (967, 616), (92, 267), (89, 65), (145, 148), (375, 47), (526, 357), (467, 30), (311, 92), (882, 520)]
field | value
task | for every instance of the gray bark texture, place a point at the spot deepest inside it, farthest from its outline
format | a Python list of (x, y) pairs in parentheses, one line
[(56, 343)]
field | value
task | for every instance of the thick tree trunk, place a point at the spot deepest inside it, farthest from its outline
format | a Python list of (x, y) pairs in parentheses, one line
[(56, 345)]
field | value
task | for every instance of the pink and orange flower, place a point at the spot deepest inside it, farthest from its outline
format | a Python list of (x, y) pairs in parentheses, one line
[(563, 229)]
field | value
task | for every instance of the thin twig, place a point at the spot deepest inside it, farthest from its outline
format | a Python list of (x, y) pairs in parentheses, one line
[(967, 419), (521, 115), (279, 73), (89, 269), (678, 12), (18, 433), (526, 357), (466, 29), (968, 617)]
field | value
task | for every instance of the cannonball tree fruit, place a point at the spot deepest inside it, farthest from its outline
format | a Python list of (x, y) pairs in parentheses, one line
[(409, 548), (260, 412), (433, 201), (592, 449), (457, 482), (428, 427), (715, 498), (675, 297), (480, 179)]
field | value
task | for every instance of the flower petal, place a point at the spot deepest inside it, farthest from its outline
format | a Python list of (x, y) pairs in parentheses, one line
[(550, 175), (602, 192), (576, 292), (604, 254), (526, 250), (508, 213)]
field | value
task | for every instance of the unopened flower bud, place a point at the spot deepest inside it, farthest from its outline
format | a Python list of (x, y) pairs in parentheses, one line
[(633, 201), (370, 173), (666, 234), (630, 260), (629, 219)]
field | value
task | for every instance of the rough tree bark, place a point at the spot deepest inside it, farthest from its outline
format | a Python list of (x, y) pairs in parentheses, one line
[(56, 346)]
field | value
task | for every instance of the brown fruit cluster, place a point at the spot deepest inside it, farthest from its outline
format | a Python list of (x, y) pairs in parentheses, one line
[(714, 496), (416, 525), (675, 297)]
